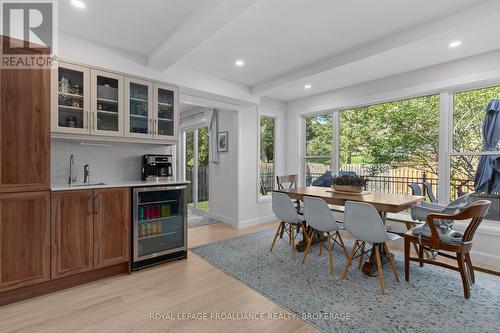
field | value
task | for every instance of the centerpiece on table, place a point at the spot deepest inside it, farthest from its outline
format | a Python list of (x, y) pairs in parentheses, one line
[(349, 183)]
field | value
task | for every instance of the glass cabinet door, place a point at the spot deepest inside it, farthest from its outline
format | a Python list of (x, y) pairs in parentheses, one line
[(158, 221), (139, 115), (107, 97), (165, 112), (71, 110)]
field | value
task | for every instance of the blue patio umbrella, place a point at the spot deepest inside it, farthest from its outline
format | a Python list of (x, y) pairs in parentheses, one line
[(487, 178)]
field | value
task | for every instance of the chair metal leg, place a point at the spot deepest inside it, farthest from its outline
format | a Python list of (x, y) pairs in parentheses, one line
[(280, 229), (380, 274), (320, 236), (292, 240), (391, 262), (407, 259), (362, 255), (421, 255), (349, 260), (461, 269), (330, 252)]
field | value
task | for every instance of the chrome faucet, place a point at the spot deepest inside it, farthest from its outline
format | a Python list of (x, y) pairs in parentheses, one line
[(71, 178), (86, 174)]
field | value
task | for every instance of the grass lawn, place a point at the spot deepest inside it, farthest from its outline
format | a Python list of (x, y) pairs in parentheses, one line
[(202, 205)]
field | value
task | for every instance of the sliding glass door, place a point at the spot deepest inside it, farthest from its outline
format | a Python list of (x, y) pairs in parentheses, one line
[(196, 168)]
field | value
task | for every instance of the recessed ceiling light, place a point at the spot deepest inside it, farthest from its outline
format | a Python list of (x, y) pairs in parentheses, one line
[(78, 3), (455, 43), (307, 86), (239, 63)]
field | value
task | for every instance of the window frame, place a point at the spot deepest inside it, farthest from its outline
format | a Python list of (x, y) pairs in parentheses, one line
[(446, 113), (260, 196)]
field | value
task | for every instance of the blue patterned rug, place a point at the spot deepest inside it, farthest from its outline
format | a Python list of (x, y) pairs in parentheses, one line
[(197, 220), (431, 302)]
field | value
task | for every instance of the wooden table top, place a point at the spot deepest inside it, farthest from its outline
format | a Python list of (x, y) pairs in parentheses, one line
[(383, 202)]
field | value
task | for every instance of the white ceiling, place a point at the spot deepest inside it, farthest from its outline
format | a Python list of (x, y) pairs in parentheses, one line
[(287, 43), (133, 25)]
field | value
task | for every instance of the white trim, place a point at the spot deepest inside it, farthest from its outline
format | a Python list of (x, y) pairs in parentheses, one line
[(444, 159), (335, 167), (478, 153), (256, 221), (265, 198)]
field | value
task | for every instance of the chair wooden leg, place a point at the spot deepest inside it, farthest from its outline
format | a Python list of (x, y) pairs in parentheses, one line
[(470, 268), (343, 245), (280, 229), (349, 260), (409, 226), (461, 269), (391, 262), (330, 252), (407, 259), (281, 233), (362, 255), (320, 236), (380, 274), (308, 247), (292, 240)]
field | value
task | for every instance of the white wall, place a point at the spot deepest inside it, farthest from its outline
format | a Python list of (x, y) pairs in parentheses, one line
[(252, 209), (120, 161), (223, 180)]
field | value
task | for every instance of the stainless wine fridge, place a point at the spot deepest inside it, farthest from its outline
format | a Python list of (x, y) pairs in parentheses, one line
[(159, 225)]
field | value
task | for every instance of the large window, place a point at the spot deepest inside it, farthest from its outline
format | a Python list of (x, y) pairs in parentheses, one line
[(394, 144), (267, 155), (399, 142), (319, 137), (468, 149)]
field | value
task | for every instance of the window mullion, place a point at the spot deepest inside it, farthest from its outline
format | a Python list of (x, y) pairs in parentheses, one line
[(445, 146)]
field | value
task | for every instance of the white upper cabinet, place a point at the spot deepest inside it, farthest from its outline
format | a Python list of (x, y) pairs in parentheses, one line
[(166, 115), (107, 116), (139, 108), (70, 99), (89, 102)]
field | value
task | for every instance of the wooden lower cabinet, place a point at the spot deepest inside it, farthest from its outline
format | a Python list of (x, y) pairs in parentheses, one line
[(24, 239), (111, 226), (72, 233)]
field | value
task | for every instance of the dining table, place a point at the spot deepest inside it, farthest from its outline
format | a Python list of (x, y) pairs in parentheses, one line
[(383, 202)]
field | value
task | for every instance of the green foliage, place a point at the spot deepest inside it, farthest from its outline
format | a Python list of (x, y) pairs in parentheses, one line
[(266, 139), (202, 147), (319, 135), (392, 134)]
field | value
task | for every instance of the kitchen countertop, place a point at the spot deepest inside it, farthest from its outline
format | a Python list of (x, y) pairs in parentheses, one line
[(111, 184)]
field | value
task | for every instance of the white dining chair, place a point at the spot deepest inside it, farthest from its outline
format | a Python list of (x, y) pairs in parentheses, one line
[(364, 223), (285, 211), (320, 219)]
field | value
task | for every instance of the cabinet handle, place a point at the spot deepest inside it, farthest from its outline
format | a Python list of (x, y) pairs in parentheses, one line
[(89, 205), (97, 204)]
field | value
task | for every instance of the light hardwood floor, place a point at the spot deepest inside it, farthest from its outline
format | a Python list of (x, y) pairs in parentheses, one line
[(124, 303)]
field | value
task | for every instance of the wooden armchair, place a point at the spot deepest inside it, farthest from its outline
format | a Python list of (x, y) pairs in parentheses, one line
[(461, 247)]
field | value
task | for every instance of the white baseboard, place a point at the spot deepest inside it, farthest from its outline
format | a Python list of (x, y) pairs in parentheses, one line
[(485, 258), (222, 218), (256, 221)]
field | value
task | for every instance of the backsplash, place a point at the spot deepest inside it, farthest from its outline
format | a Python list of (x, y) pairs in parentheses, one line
[(116, 162)]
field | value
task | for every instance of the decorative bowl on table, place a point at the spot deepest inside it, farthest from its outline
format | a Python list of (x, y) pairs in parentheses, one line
[(349, 183)]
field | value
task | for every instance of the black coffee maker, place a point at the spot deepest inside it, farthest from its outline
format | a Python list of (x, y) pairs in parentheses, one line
[(157, 167)]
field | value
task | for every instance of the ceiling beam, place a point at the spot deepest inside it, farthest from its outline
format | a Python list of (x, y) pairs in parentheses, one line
[(209, 17), (400, 38)]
